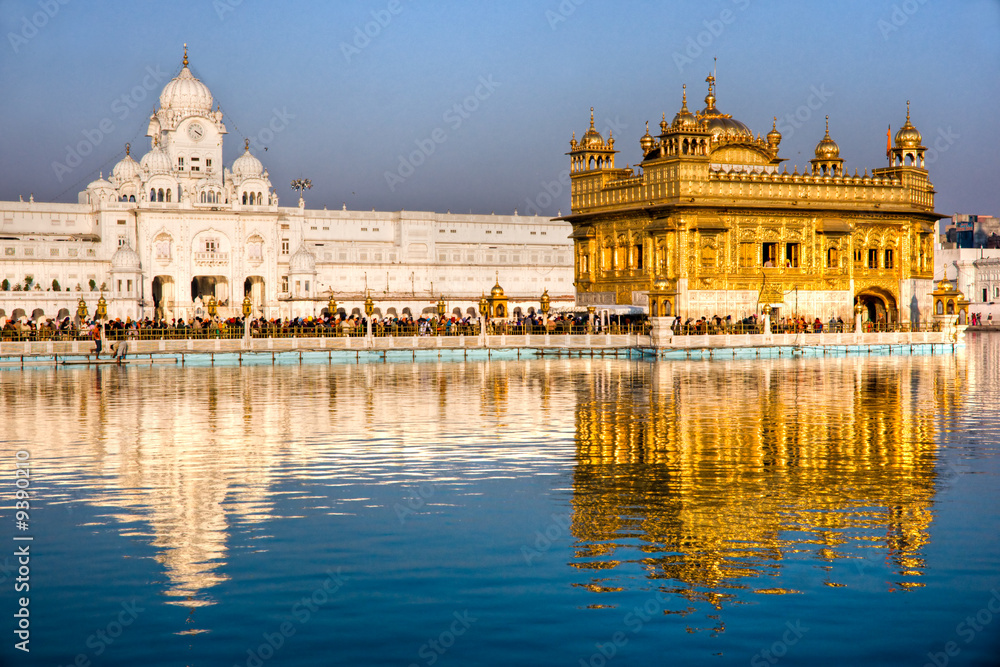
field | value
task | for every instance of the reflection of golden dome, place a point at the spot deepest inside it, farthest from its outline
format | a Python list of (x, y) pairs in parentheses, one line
[(827, 148), (908, 136), (592, 136)]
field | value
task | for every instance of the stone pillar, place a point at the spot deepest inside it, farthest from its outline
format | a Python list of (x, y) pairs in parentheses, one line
[(661, 334)]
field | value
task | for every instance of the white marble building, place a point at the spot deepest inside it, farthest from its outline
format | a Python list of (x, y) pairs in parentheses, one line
[(163, 234)]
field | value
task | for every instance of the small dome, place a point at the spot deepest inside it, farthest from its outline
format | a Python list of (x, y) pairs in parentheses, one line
[(497, 290), (125, 258), (156, 161), (685, 120), (827, 148), (908, 136), (184, 91), (126, 169), (246, 165), (774, 137), (100, 184), (592, 136), (647, 140), (302, 261)]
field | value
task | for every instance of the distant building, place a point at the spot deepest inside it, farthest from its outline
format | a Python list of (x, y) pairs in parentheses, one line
[(167, 233), (971, 231), (717, 225)]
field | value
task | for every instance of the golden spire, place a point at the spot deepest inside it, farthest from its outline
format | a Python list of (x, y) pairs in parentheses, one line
[(128, 148), (907, 111), (592, 114), (185, 54), (827, 127), (246, 145)]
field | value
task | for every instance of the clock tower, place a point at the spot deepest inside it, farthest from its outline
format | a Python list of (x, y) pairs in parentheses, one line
[(189, 131)]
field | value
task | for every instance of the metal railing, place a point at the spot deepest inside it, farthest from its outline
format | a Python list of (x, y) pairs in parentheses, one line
[(411, 329)]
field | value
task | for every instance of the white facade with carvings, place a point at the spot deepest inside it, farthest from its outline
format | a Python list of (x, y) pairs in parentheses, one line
[(163, 234)]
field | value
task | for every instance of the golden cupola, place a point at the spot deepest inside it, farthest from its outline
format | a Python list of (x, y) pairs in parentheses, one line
[(774, 137), (592, 152), (908, 151), (827, 161), (685, 120), (647, 141), (592, 138), (827, 148), (908, 136)]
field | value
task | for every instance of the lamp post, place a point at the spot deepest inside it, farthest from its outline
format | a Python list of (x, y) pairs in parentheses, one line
[(767, 319), (590, 316), (484, 314), (369, 309), (213, 307), (102, 312), (247, 309), (442, 308), (858, 309), (81, 312)]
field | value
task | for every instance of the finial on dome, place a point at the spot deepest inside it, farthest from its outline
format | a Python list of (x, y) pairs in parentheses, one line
[(774, 123), (246, 144), (685, 94), (592, 117), (185, 54), (828, 126), (907, 111), (128, 148)]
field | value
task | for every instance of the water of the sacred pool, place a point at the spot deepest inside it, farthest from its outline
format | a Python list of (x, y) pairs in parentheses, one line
[(828, 510)]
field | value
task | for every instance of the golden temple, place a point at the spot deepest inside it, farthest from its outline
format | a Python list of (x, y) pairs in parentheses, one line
[(713, 224)]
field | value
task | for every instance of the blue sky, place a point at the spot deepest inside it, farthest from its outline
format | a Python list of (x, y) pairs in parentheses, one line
[(364, 93)]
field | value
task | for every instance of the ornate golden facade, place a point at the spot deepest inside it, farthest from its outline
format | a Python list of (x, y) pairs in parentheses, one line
[(713, 220)]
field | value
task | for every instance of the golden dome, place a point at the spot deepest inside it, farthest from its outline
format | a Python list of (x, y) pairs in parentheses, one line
[(685, 120), (717, 122), (827, 148), (647, 140), (908, 136), (774, 137), (497, 290), (592, 136)]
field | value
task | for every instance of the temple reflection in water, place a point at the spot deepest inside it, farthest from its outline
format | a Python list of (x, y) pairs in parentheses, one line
[(704, 478), (708, 476)]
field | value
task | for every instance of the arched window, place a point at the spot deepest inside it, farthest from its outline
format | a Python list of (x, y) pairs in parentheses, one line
[(159, 195), (168, 194), (244, 198), (203, 198), (152, 195), (260, 199), (131, 197)]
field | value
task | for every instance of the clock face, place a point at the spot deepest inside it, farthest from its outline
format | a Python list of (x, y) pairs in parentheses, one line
[(196, 131)]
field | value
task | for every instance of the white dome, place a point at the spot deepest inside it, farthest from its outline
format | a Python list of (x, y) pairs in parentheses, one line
[(186, 92), (247, 166), (101, 184), (125, 259), (126, 169), (302, 261), (156, 161)]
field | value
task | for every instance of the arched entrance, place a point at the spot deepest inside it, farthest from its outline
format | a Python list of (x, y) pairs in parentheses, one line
[(880, 305), (206, 286), (163, 297), (253, 287)]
